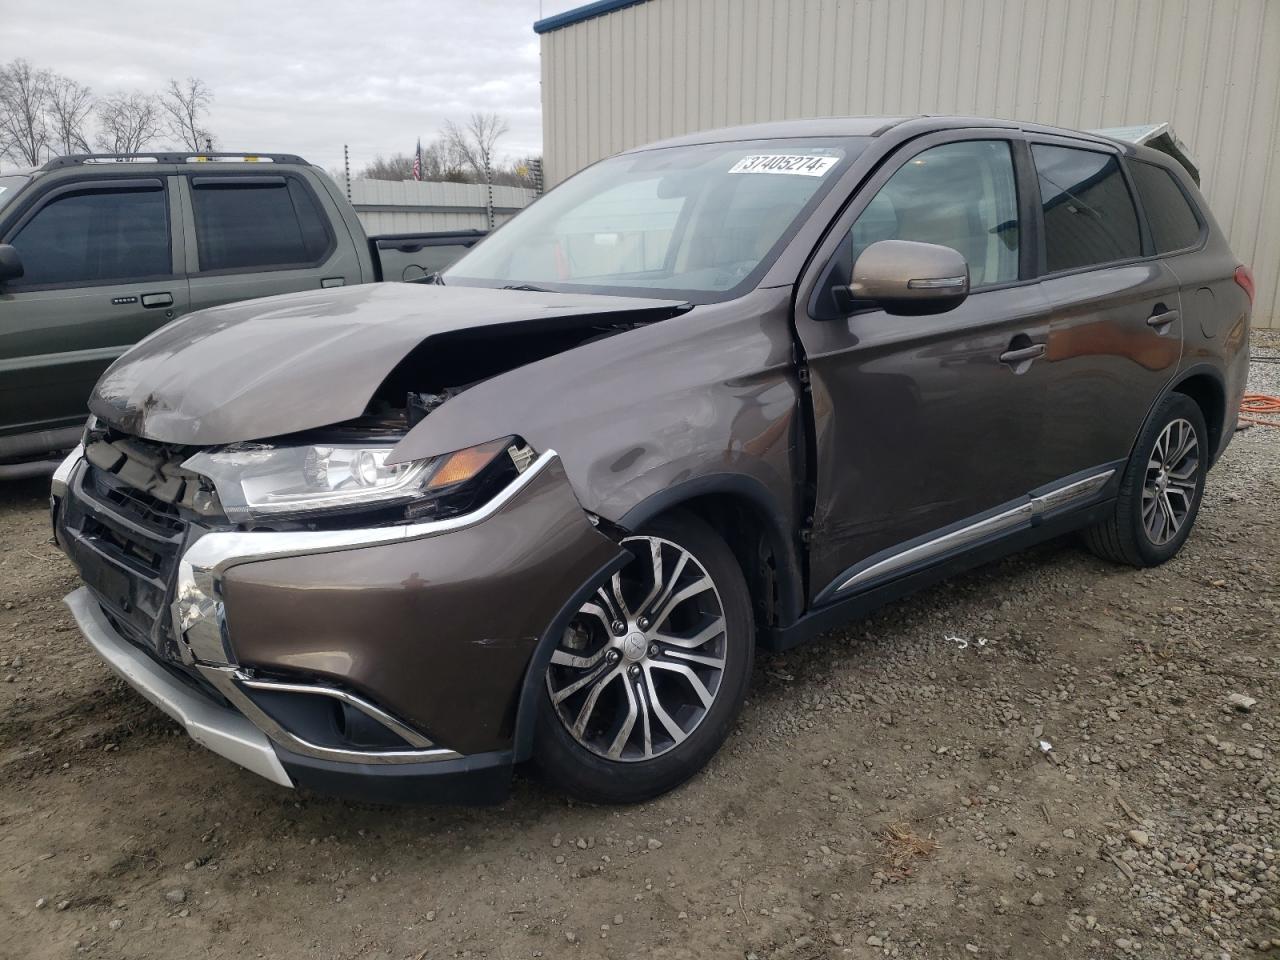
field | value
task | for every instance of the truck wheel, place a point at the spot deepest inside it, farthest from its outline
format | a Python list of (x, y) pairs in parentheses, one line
[(648, 678), (1161, 489)]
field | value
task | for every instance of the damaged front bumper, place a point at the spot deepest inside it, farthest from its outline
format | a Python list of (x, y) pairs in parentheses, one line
[(388, 662)]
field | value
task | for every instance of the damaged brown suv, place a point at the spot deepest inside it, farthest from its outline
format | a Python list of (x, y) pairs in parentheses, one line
[(723, 391)]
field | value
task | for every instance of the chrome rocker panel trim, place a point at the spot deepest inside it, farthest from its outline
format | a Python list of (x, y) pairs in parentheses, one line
[(1006, 521), (220, 730)]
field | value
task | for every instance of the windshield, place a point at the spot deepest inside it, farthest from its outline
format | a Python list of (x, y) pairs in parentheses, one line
[(9, 187), (697, 222)]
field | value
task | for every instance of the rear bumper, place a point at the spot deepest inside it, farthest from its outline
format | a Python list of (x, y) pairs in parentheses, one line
[(389, 663)]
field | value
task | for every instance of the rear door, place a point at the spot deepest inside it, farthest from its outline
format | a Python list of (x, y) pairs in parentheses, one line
[(926, 424), (257, 235), (1115, 337), (103, 267)]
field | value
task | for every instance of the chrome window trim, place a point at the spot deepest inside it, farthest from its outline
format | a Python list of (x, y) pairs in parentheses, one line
[(1035, 508)]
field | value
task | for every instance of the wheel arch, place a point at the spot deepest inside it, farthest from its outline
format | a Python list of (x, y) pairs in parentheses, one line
[(743, 512), (1204, 385)]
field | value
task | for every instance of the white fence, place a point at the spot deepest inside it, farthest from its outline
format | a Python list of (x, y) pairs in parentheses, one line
[(411, 206)]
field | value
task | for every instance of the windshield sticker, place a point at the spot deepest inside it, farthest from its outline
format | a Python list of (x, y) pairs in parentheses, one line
[(793, 165)]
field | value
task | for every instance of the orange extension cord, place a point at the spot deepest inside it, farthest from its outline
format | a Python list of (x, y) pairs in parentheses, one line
[(1260, 403)]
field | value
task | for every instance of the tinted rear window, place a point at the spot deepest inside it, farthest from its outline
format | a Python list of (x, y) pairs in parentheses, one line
[(96, 236), (257, 225), (1089, 217), (1173, 222)]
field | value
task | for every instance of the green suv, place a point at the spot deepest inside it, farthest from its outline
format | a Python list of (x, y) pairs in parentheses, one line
[(97, 252)]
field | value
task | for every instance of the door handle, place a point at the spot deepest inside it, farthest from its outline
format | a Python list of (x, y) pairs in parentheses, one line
[(157, 299), (1162, 318), (1022, 354)]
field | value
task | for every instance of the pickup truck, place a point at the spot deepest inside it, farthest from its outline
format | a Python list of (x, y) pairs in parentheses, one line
[(99, 251)]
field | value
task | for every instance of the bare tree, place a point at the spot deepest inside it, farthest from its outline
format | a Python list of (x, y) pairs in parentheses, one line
[(70, 106), (24, 103), (475, 142), (185, 106), (397, 167), (127, 122)]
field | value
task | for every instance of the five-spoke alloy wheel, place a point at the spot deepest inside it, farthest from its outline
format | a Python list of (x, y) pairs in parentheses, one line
[(648, 675)]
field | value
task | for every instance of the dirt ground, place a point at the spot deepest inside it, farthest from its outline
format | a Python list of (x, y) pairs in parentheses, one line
[(885, 794)]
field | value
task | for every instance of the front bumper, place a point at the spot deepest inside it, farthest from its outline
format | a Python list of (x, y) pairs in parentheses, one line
[(271, 641)]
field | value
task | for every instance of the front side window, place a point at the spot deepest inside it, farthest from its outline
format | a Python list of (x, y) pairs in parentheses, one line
[(959, 195), (96, 236), (1089, 217), (693, 222), (260, 223), (1173, 223)]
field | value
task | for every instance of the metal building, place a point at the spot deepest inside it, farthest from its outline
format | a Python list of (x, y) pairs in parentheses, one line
[(416, 206), (618, 73)]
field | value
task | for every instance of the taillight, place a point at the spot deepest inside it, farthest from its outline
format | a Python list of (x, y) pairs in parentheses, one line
[(1244, 277)]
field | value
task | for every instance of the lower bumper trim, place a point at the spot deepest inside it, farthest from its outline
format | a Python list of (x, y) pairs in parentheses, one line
[(217, 728)]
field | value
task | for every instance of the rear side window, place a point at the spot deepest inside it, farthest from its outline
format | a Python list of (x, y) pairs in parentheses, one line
[(96, 236), (1089, 217), (256, 223), (1173, 222)]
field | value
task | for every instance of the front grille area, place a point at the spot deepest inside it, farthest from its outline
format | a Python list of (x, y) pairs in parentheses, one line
[(123, 526)]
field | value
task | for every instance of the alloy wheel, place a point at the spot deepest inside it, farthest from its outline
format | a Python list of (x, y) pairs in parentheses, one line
[(640, 665), (1173, 474)]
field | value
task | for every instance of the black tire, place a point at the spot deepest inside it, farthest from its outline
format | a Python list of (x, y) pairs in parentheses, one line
[(587, 775), (1123, 537)]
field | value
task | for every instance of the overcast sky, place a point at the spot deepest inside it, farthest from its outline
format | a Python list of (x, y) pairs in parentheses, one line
[(306, 77)]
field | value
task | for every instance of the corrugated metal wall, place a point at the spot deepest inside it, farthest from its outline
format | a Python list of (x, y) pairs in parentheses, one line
[(410, 206), (1211, 67)]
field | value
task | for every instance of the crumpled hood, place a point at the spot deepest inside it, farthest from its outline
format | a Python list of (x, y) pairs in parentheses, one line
[(263, 368)]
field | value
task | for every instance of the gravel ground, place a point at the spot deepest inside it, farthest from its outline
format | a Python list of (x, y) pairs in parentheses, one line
[(1048, 757)]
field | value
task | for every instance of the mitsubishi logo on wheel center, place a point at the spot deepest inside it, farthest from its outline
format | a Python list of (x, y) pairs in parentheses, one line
[(635, 646)]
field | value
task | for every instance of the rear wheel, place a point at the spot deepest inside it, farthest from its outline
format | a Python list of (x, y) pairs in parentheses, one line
[(1161, 489), (648, 677)]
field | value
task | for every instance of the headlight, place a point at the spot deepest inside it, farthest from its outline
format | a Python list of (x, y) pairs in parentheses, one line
[(265, 481)]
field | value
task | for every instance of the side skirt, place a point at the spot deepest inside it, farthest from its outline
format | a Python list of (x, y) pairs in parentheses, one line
[(841, 611)]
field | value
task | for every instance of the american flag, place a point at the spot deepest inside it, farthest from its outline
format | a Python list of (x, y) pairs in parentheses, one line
[(417, 161)]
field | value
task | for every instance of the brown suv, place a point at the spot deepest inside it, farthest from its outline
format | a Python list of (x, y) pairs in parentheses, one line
[(726, 390)]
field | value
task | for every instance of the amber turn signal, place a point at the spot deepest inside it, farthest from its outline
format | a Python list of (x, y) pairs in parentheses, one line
[(465, 464)]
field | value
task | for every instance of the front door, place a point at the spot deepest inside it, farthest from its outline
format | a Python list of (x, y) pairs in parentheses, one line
[(922, 427), (99, 274)]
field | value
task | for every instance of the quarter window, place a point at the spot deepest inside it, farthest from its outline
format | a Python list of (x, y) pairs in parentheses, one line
[(1173, 222), (1089, 217), (256, 224), (96, 236), (960, 195)]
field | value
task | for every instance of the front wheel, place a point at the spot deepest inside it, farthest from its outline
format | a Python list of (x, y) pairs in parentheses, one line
[(644, 685), (1161, 488)]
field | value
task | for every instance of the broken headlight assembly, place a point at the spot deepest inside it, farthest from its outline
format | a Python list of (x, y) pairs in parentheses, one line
[(262, 483)]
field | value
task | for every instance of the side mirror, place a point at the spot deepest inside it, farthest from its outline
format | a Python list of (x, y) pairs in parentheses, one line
[(10, 263), (906, 277)]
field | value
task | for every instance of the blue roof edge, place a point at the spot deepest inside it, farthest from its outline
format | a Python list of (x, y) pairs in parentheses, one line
[(585, 12)]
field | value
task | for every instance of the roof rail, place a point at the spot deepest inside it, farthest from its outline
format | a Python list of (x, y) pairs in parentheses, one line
[(184, 156)]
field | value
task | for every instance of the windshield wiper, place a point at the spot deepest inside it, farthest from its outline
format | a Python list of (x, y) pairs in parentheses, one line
[(531, 288)]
